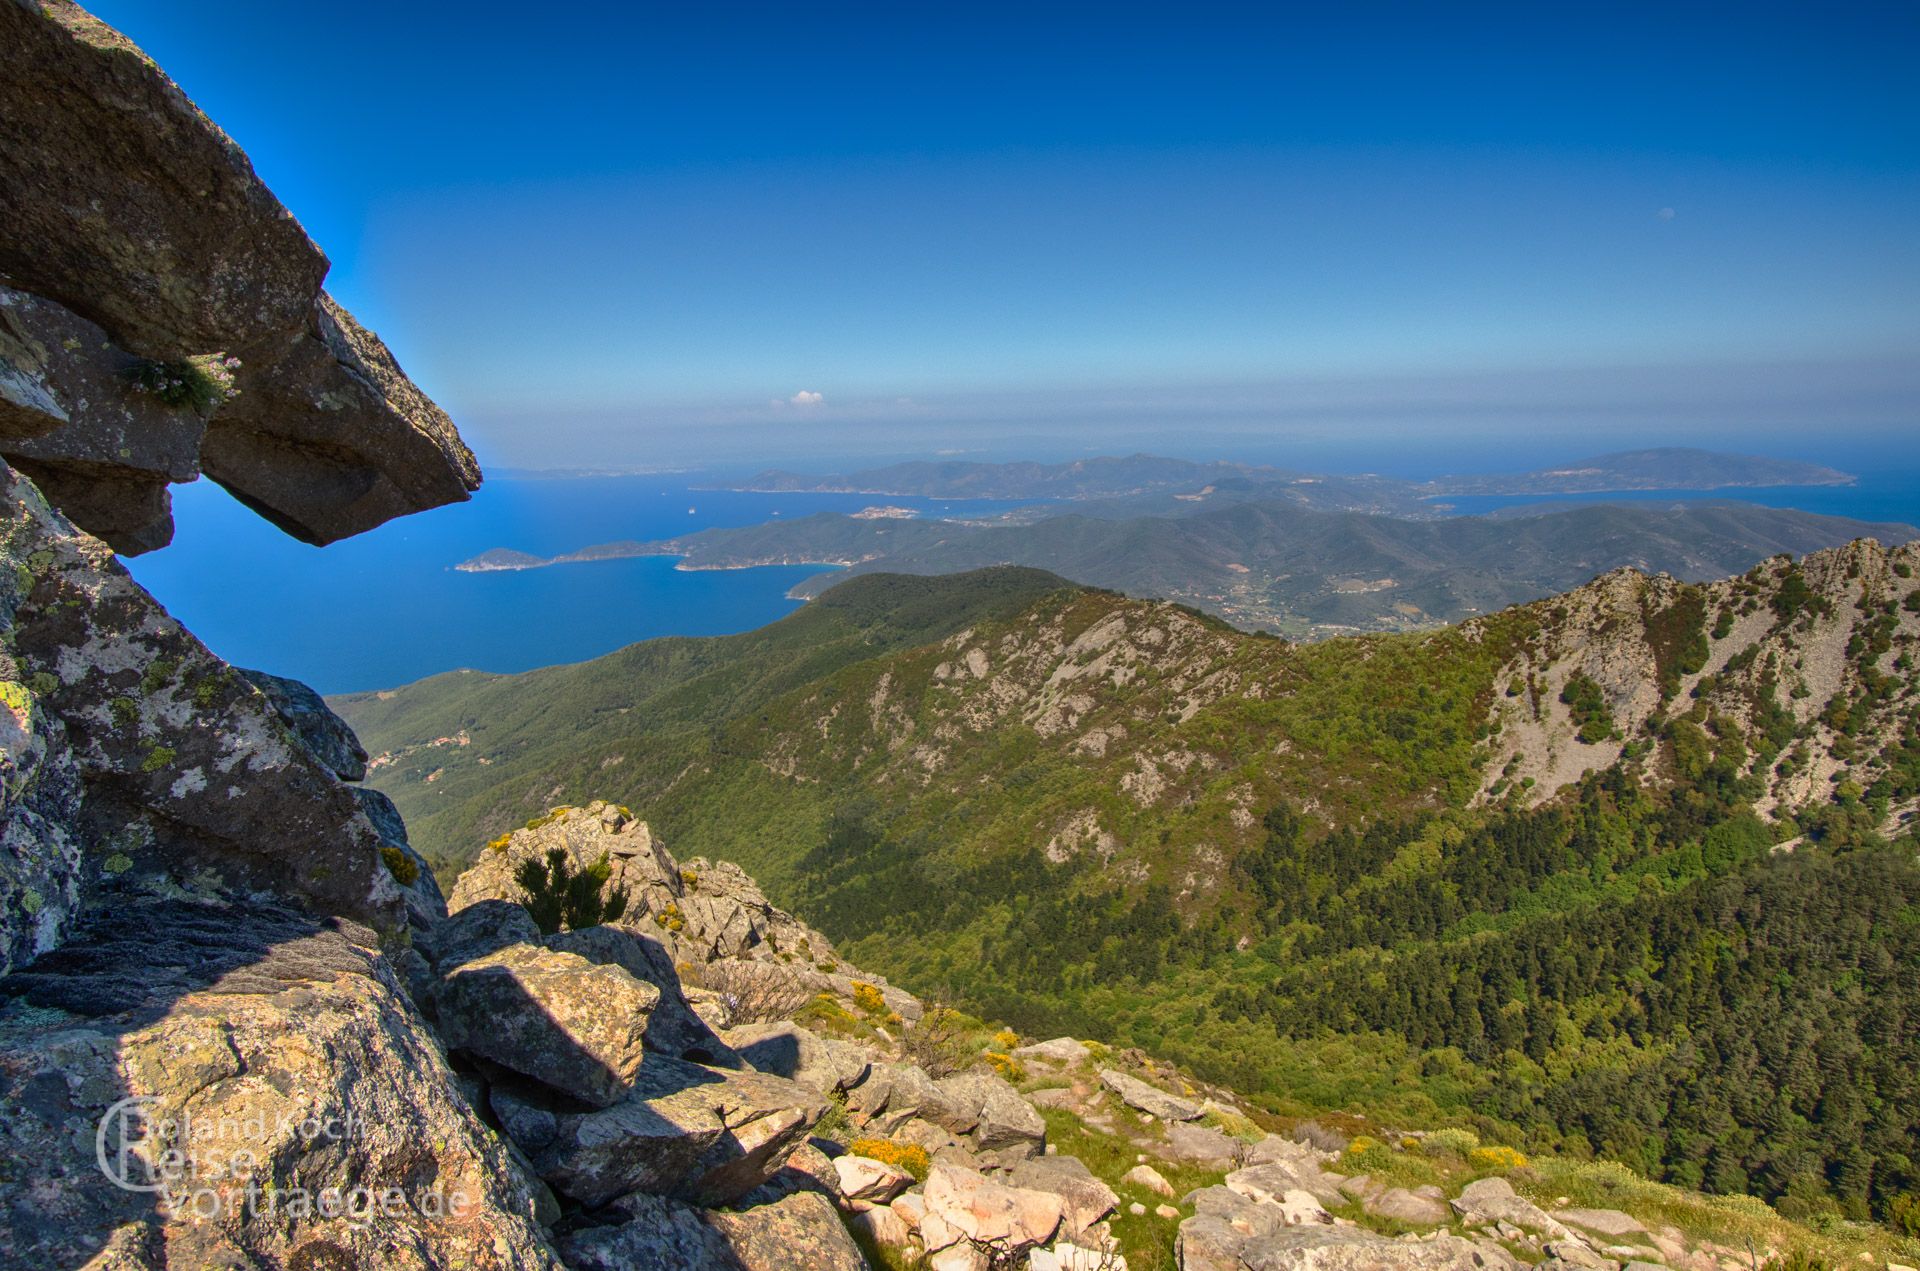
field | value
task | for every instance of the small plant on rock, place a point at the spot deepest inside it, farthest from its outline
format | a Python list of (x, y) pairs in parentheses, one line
[(910, 1157), (401, 866), (202, 384), (559, 897)]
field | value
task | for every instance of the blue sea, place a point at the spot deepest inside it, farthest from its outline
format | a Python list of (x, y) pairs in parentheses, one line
[(387, 607)]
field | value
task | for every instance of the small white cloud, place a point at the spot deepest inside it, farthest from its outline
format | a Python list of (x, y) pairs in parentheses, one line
[(807, 397), (1665, 214)]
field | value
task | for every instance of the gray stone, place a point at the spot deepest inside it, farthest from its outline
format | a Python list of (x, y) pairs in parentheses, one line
[(798, 1232), (122, 203), (481, 929), (553, 1017), (1084, 1199), (1002, 1119), (189, 779), (1149, 1099), (1061, 1050), (1404, 1206), (1276, 1178), (1493, 1200), (786, 1049), (1202, 1145), (324, 734), (1605, 1222), (705, 1135), (1321, 1248), (257, 1021), (674, 1028)]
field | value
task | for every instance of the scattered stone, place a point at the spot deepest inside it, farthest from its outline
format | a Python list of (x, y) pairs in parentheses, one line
[(1146, 1176), (1203, 1146), (1408, 1207), (1273, 1180), (883, 1225), (1084, 1199), (966, 1206), (1493, 1200), (1605, 1222), (1149, 1099), (1064, 1051), (1002, 1119), (863, 1178)]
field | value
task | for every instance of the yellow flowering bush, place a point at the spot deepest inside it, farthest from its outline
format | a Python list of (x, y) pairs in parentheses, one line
[(1497, 1157), (1006, 1065), (906, 1156)]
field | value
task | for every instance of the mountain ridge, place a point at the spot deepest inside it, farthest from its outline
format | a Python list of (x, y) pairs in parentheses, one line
[(1303, 571)]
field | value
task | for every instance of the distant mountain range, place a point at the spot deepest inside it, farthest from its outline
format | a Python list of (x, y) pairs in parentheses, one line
[(1280, 566), (1672, 468)]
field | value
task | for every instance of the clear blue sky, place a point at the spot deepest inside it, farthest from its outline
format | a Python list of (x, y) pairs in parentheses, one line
[(633, 231)]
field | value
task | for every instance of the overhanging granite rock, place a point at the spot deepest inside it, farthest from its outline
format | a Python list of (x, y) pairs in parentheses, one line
[(125, 209)]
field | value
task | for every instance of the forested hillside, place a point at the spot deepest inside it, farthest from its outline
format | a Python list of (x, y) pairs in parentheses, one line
[(1624, 871)]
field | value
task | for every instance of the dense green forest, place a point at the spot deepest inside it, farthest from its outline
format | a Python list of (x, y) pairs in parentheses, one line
[(1615, 975)]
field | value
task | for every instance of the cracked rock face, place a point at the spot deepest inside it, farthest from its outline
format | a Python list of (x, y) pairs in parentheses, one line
[(286, 1034), (188, 776), (131, 228)]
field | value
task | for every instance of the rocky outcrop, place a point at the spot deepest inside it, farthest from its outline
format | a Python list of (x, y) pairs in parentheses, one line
[(997, 1119), (184, 774), (100, 451), (553, 1017), (639, 863), (268, 1032), (705, 1135), (699, 914), (143, 232), (801, 1232)]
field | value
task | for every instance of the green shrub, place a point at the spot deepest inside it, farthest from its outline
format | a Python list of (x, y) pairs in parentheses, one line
[(1798, 1260), (1366, 1154), (1453, 1140), (201, 384), (401, 866), (557, 897)]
